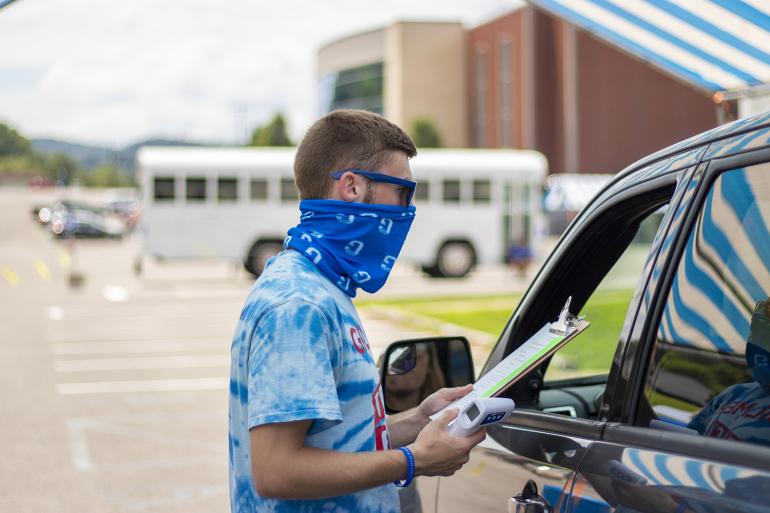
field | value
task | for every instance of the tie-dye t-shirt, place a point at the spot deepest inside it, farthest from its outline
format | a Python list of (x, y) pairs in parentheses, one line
[(299, 353)]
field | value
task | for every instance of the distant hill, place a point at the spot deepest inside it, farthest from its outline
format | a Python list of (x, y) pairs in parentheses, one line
[(90, 157)]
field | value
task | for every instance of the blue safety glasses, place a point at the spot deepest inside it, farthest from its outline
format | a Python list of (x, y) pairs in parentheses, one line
[(407, 185)]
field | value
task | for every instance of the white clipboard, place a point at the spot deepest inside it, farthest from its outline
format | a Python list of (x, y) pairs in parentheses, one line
[(549, 339)]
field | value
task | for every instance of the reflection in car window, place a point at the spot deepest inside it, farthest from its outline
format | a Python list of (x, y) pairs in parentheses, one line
[(591, 353), (710, 370)]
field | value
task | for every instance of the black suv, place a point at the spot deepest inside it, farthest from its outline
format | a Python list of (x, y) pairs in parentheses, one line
[(666, 411)]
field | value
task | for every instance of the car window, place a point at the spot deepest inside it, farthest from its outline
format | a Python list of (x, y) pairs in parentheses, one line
[(710, 368), (591, 352)]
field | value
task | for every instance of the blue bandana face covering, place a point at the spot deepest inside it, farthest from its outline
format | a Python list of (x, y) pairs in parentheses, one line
[(354, 244)]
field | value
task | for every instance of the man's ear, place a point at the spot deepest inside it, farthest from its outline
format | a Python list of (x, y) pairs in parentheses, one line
[(348, 188)]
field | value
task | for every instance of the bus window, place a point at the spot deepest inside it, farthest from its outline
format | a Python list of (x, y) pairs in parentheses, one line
[(258, 189), (227, 189), (288, 190), (482, 191), (421, 192), (452, 191), (196, 189), (163, 188)]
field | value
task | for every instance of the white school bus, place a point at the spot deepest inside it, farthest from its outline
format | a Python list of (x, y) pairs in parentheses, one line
[(238, 203)]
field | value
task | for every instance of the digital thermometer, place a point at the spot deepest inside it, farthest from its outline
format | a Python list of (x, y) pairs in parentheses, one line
[(481, 412)]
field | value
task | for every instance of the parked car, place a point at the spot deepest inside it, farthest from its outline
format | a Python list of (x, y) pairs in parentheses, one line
[(663, 407), (49, 214), (86, 224), (127, 210)]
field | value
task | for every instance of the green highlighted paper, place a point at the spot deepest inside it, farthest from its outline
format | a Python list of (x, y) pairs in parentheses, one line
[(517, 364)]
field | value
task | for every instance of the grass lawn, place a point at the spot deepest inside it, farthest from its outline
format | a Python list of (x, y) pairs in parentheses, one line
[(487, 314), (593, 349)]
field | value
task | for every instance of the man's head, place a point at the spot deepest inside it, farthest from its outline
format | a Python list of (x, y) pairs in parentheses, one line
[(352, 139)]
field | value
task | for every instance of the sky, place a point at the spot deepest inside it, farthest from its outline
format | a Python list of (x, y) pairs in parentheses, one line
[(115, 72)]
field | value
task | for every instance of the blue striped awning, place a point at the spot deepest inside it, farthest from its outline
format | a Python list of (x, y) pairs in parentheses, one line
[(717, 45)]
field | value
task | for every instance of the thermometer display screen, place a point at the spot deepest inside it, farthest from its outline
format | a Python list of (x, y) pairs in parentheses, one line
[(473, 412)]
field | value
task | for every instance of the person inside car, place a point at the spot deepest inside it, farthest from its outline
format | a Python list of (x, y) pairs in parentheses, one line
[(742, 411)]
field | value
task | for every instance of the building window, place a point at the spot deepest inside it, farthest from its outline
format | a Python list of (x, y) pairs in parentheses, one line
[(506, 90), (451, 191), (195, 189), (258, 189), (227, 189), (288, 190), (480, 100), (355, 88), (482, 191), (163, 188)]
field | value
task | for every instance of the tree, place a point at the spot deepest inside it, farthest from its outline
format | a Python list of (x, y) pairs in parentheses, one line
[(106, 175), (272, 134), (61, 167), (12, 142), (425, 134)]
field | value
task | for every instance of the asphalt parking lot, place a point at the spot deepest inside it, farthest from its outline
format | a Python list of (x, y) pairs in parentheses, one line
[(114, 393)]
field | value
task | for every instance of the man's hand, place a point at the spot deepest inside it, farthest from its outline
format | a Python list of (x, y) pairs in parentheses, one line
[(437, 453), (403, 427), (441, 399)]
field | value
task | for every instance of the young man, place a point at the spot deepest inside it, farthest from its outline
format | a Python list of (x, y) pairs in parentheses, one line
[(307, 424)]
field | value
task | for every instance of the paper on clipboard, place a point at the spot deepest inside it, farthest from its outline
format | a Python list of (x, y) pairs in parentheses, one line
[(540, 346)]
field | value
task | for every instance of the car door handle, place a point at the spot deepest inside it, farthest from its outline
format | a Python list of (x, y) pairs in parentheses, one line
[(529, 501)]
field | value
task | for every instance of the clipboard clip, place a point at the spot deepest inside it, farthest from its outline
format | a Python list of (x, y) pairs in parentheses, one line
[(567, 323)]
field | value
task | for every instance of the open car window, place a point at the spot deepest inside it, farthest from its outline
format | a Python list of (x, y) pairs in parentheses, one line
[(598, 263), (574, 379), (591, 353)]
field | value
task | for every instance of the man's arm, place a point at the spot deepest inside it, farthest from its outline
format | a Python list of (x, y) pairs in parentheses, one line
[(284, 468)]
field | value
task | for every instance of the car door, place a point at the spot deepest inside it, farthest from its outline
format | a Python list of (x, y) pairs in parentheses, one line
[(689, 422), (598, 262)]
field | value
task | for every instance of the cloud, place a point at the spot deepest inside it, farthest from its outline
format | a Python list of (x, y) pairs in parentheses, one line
[(115, 72)]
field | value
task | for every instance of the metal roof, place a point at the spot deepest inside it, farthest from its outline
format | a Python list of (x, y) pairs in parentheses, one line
[(716, 45)]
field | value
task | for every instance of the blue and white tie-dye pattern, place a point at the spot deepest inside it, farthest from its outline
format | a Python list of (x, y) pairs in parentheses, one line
[(299, 353)]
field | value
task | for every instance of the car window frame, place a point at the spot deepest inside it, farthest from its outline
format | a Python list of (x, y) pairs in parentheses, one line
[(640, 198), (710, 171)]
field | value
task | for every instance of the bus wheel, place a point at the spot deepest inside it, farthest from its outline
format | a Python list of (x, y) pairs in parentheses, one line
[(259, 254), (455, 259)]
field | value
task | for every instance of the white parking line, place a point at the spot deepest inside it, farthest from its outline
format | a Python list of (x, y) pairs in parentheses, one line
[(157, 362), (138, 346), (161, 385)]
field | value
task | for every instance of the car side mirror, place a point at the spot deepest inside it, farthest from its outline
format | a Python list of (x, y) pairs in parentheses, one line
[(411, 370)]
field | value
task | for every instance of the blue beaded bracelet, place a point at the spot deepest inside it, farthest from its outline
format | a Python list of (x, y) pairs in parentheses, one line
[(409, 468)]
